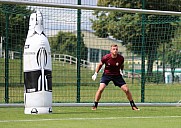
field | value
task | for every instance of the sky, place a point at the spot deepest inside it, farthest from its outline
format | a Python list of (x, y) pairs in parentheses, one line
[(56, 19)]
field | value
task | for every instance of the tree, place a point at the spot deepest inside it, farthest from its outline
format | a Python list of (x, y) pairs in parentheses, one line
[(18, 24), (174, 59), (127, 27), (170, 53), (66, 43), (173, 55)]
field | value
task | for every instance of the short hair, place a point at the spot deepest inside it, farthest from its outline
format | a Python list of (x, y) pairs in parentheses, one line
[(114, 45)]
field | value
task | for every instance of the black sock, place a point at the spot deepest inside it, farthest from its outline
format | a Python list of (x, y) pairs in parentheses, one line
[(132, 104), (95, 104)]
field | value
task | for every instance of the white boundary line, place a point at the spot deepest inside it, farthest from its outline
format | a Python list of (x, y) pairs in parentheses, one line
[(106, 118)]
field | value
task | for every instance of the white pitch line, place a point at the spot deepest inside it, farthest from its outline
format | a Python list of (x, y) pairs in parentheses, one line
[(106, 118)]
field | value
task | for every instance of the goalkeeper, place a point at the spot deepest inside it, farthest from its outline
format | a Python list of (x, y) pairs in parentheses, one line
[(113, 63)]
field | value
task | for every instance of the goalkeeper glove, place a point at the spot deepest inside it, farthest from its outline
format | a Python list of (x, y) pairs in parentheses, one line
[(94, 76)]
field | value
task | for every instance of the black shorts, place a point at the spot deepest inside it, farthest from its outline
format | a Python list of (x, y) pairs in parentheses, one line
[(117, 80)]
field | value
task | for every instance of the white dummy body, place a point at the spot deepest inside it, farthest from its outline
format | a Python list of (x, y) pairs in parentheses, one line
[(37, 68)]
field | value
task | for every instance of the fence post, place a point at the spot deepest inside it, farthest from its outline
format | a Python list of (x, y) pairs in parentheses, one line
[(143, 56), (7, 60), (78, 50)]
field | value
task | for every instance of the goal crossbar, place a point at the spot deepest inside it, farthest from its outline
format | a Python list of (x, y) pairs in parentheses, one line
[(85, 7)]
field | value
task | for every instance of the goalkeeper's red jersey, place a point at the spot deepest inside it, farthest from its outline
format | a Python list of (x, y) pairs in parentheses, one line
[(112, 65)]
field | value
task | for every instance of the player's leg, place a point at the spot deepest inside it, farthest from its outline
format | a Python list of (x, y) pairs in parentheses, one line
[(119, 81), (103, 83), (129, 96), (98, 95)]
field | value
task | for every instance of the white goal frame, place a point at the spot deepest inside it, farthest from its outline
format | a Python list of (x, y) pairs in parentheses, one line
[(85, 7)]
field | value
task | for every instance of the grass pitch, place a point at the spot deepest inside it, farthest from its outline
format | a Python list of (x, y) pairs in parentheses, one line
[(84, 117)]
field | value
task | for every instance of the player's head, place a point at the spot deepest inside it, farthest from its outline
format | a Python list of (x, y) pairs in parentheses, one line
[(114, 49)]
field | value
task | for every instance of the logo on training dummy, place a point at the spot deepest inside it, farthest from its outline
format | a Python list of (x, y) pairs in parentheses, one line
[(117, 64), (42, 57), (26, 46)]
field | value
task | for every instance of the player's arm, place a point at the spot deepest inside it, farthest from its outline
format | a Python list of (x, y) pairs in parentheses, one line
[(99, 66), (122, 67), (97, 70)]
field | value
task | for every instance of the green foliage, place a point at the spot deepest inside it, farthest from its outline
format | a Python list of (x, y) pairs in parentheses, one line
[(173, 58), (170, 53), (120, 3), (66, 43), (100, 28), (16, 17)]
